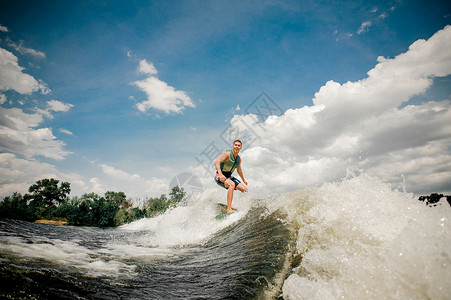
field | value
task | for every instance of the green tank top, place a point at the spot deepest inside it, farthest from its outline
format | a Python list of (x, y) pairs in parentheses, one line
[(227, 168)]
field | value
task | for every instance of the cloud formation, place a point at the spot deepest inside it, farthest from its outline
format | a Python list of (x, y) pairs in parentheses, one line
[(24, 50), (118, 174), (23, 139), (364, 27), (13, 78), (65, 131), (20, 134), (56, 106), (135, 186), (160, 95), (16, 174), (364, 125)]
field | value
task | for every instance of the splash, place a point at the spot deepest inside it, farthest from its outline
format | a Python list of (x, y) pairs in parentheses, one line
[(359, 239), (188, 225), (70, 254)]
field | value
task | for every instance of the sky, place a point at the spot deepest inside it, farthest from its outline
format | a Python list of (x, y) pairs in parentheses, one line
[(128, 95)]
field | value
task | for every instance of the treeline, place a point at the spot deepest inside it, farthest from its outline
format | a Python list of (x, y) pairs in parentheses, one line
[(48, 200), (432, 199)]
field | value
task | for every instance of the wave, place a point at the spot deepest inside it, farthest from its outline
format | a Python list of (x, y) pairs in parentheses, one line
[(356, 238), (352, 238), (359, 239)]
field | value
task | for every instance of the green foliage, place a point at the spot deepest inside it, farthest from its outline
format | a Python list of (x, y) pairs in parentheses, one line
[(177, 194), (42, 201), (135, 214), (156, 206), (45, 196), (48, 200), (89, 210), (68, 209), (15, 207)]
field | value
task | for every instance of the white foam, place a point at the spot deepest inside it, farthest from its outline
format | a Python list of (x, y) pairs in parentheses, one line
[(361, 240), (187, 225), (68, 253)]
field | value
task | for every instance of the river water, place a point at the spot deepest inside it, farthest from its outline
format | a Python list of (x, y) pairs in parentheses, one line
[(353, 239)]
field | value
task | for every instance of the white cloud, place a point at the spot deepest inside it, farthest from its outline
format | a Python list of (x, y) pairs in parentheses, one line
[(363, 125), (56, 105), (96, 186), (160, 95), (147, 68), (68, 132), (12, 77), (133, 185), (166, 169), (2, 98), (24, 50), (341, 36), (364, 27), (118, 174), (17, 174), (3, 28), (426, 168), (43, 88), (18, 134)]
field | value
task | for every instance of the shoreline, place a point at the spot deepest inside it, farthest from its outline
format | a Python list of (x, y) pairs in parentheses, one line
[(50, 222)]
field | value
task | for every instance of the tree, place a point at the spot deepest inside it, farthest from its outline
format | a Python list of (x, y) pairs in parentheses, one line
[(68, 209), (156, 206), (135, 214), (119, 198), (176, 194), (45, 196), (116, 207), (15, 207), (47, 199), (105, 212)]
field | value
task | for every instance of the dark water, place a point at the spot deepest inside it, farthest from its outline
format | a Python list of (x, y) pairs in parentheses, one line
[(247, 260)]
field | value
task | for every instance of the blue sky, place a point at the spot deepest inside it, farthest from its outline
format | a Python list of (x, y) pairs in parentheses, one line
[(125, 95)]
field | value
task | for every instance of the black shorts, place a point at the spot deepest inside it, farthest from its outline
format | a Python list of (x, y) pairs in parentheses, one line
[(236, 181)]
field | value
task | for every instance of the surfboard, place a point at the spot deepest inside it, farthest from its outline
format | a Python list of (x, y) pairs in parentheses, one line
[(222, 210)]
